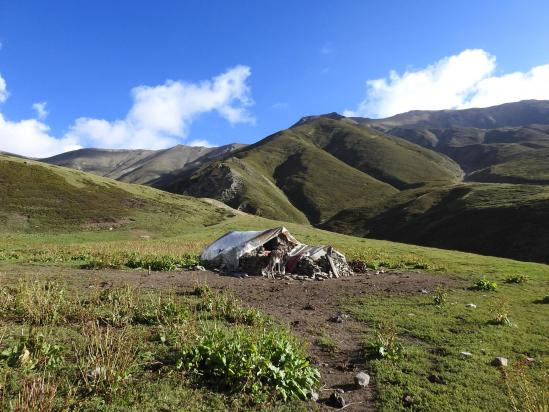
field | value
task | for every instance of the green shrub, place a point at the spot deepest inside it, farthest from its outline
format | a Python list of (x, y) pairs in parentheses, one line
[(236, 360), (227, 307), (517, 279), (41, 303), (107, 359), (386, 344), (158, 310), (440, 297), (32, 352), (485, 284)]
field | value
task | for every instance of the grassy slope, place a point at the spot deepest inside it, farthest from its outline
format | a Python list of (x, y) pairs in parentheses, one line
[(527, 167), (432, 337), (387, 158), (493, 219), (37, 197), (320, 160), (286, 177)]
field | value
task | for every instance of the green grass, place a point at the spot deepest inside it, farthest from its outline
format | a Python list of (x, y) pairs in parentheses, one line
[(432, 338), (128, 349)]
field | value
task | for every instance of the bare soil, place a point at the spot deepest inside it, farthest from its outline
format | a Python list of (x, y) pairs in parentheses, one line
[(309, 308)]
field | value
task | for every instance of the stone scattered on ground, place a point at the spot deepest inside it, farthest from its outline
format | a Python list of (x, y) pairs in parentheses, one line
[(362, 379), (424, 291), (314, 396), (200, 268), (340, 318), (465, 355), (471, 305), (530, 359), (407, 400), (436, 379), (336, 400), (500, 362)]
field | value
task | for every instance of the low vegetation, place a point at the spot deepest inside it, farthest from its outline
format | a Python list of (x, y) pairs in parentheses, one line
[(116, 348)]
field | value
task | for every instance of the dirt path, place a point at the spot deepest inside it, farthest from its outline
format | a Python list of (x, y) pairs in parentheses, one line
[(310, 308)]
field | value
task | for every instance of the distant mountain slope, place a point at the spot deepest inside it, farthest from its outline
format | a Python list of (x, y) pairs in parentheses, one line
[(315, 169), (480, 140), (504, 115), (38, 197), (492, 219), (138, 166)]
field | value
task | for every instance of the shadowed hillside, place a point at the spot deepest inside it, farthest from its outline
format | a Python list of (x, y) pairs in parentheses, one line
[(492, 219)]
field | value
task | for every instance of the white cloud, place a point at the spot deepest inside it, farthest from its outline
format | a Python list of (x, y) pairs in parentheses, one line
[(201, 143), (3, 90), (159, 117), (31, 138), (41, 111), (460, 81)]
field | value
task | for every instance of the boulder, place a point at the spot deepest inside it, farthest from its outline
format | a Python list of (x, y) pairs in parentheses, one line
[(500, 362), (362, 379)]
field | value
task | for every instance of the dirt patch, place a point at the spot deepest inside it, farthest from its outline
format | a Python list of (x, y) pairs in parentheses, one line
[(311, 309)]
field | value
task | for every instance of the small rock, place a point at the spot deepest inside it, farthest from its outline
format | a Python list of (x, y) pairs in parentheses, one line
[(340, 390), (336, 400), (530, 360), (471, 305), (465, 355), (314, 396), (200, 268), (436, 379), (499, 361), (407, 400), (362, 379), (424, 291)]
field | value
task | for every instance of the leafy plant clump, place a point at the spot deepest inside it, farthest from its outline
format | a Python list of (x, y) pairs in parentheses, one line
[(440, 297), (500, 311), (517, 279), (485, 285), (386, 344), (236, 360), (32, 352)]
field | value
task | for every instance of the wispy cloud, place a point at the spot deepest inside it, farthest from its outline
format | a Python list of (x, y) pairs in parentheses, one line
[(279, 106), (459, 81), (201, 143), (160, 116), (40, 109)]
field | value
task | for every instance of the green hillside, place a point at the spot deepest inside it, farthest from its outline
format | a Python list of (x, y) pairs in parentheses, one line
[(492, 219), (387, 158), (37, 197), (315, 169)]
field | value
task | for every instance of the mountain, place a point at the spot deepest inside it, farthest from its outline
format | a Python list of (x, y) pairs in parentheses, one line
[(139, 166), (38, 197), (493, 219), (506, 143), (504, 115), (315, 169), (474, 179)]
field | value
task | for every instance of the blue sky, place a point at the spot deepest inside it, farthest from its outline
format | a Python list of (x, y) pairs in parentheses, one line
[(283, 59)]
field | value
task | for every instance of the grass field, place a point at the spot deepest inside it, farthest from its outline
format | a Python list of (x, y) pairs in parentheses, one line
[(51, 352)]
